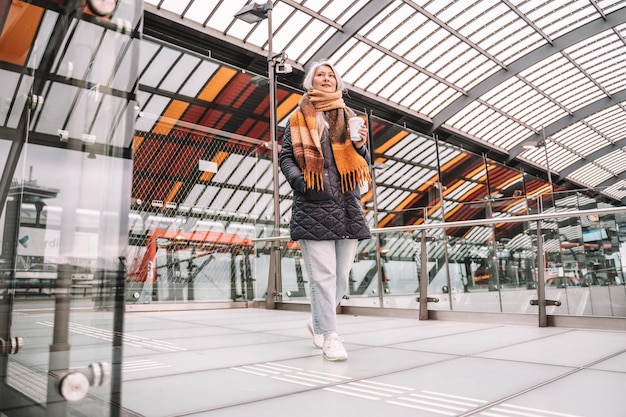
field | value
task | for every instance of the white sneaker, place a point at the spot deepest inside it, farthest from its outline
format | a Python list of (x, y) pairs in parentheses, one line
[(318, 339), (333, 349)]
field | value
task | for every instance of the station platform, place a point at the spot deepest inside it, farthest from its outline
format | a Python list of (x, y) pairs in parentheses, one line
[(258, 362)]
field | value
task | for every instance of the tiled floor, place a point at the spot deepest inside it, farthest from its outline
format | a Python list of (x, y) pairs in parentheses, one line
[(261, 362)]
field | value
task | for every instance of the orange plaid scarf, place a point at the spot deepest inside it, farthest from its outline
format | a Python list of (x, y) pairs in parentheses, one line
[(307, 148)]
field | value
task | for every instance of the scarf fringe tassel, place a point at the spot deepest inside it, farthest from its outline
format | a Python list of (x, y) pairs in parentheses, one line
[(350, 180)]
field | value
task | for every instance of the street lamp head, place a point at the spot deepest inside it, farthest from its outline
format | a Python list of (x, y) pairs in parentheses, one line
[(254, 12)]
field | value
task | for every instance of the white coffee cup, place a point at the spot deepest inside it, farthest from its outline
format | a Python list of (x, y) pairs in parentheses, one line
[(355, 124)]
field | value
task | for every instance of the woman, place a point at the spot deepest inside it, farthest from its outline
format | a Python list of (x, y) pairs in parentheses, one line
[(325, 168)]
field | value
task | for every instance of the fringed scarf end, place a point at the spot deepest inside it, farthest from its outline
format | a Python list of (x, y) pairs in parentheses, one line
[(350, 180), (313, 180)]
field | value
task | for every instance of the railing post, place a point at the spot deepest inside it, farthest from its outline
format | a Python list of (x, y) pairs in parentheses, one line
[(423, 298), (541, 278)]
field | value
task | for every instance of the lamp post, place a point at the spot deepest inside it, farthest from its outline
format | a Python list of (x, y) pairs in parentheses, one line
[(541, 301), (253, 13)]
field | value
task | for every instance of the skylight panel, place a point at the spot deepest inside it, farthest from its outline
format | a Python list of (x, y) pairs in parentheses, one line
[(561, 20), (18, 96), (225, 170), (614, 161), (235, 201), (590, 175), (301, 40), (43, 37), (199, 10), (461, 118), (264, 175), (392, 176), (559, 157), (423, 147), (196, 191), (308, 48), (507, 140), (243, 170), (126, 74), (221, 200), (155, 73), (365, 68), (341, 11), (148, 51), (420, 177), (431, 39), (404, 74), (422, 94), (290, 24), (58, 103), (401, 29), (612, 122), (392, 201), (180, 73), (584, 141), (347, 63), (198, 78), (388, 79), (152, 111), (207, 197), (175, 6), (491, 121)]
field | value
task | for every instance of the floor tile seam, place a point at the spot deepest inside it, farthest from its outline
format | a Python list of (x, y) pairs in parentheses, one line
[(409, 326), (535, 339), (573, 367), (528, 389), (200, 349), (517, 343), (417, 340)]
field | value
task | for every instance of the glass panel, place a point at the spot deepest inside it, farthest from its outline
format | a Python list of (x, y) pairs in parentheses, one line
[(64, 215)]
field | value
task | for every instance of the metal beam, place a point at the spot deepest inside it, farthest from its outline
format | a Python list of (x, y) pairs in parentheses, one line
[(612, 181), (579, 34), (592, 157), (562, 123), (350, 28)]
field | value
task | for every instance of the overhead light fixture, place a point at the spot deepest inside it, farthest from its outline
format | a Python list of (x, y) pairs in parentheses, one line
[(253, 12), (533, 145)]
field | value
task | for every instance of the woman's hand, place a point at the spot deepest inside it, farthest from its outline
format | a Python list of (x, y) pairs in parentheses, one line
[(363, 134)]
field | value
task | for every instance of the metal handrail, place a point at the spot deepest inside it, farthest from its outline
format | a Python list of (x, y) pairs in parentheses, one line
[(478, 222)]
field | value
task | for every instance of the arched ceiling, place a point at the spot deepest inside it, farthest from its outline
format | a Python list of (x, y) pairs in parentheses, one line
[(496, 73)]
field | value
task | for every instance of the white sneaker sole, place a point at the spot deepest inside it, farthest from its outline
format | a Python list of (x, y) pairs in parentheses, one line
[(336, 359), (313, 335)]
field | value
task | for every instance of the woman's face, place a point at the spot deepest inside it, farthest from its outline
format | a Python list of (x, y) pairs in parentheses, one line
[(324, 79)]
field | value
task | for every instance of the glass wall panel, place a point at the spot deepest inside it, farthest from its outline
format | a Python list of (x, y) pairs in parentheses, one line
[(64, 198), (196, 209)]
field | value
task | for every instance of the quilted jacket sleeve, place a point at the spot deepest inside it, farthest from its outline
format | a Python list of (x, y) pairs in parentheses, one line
[(288, 165)]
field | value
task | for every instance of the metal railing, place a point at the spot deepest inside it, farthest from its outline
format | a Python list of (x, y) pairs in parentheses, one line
[(541, 302)]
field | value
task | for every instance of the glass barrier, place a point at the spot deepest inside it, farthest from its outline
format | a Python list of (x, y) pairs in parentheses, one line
[(67, 119), (485, 271), (199, 249)]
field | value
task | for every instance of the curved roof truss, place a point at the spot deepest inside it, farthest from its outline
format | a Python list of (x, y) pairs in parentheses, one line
[(490, 73)]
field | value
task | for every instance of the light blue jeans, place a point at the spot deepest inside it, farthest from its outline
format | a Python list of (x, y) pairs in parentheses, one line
[(328, 264)]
